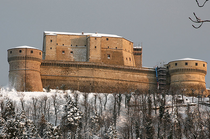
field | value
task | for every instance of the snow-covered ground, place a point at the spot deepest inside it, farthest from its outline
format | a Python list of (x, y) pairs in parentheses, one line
[(105, 105)]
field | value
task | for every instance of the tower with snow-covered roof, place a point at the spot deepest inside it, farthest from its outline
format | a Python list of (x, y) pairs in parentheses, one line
[(24, 68), (188, 74)]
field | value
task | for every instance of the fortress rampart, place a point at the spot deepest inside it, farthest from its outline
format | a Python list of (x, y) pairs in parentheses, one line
[(188, 73), (24, 71), (92, 77), (92, 62)]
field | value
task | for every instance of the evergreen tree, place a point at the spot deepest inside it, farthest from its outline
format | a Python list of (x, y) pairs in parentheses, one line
[(111, 133), (71, 119), (9, 110)]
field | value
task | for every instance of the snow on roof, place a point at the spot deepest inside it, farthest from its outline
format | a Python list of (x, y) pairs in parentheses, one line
[(91, 34), (187, 59), (137, 47), (26, 47)]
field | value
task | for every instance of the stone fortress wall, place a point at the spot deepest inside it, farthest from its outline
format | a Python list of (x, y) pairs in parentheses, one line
[(188, 74), (24, 70), (93, 62)]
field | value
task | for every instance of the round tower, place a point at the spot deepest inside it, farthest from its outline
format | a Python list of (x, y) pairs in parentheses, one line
[(188, 74), (24, 68)]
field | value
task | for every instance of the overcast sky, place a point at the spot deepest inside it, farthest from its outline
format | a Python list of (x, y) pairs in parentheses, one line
[(162, 26)]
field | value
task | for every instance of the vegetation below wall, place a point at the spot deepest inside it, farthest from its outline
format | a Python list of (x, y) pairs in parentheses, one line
[(72, 114)]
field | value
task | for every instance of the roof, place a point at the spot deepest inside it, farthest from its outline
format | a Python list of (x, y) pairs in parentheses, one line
[(24, 46), (137, 47), (187, 59), (91, 34)]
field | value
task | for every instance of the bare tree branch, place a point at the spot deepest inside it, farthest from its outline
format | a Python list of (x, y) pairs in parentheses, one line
[(198, 20), (199, 4)]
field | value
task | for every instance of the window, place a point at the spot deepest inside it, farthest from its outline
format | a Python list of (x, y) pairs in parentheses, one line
[(20, 51), (108, 46), (71, 52), (186, 63), (108, 56), (129, 59), (40, 53), (50, 47), (175, 64), (63, 52), (32, 51), (71, 44), (76, 45), (95, 38), (10, 52), (95, 46), (50, 40), (126, 58), (196, 64), (85, 45), (56, 43), (203, 65), (107, 39), (63, 44), (116, 47)]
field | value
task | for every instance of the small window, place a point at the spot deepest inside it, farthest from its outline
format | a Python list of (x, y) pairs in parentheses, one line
[(95, 46), (76, 45), (175, 64), (95, 38), (63, 52), (116, 47), (108, 46), (108, 56), (50, 47), (196, 64), (107, 39), (63, 44), (50, 40), (126, 58), (186, 63), (71, 52), (85, 45), (20, 51), (40, 53), (32, 51), (129, 59), (10, 52), (56, 43), (203, 65), (71, 44)]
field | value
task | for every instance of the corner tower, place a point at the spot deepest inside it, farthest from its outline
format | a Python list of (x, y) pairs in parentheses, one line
[(188, 74), (24, 68)]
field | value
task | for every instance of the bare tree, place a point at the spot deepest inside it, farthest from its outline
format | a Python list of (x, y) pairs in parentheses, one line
[(55, 104), (35, 108), (197, 19)]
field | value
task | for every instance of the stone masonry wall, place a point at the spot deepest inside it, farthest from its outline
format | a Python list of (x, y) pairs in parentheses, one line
[(91, 77)]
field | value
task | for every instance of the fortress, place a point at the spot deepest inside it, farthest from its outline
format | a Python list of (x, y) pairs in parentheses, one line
[(93, 62)]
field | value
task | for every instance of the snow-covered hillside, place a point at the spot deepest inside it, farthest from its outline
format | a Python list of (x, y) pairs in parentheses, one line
[(73, 114)]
